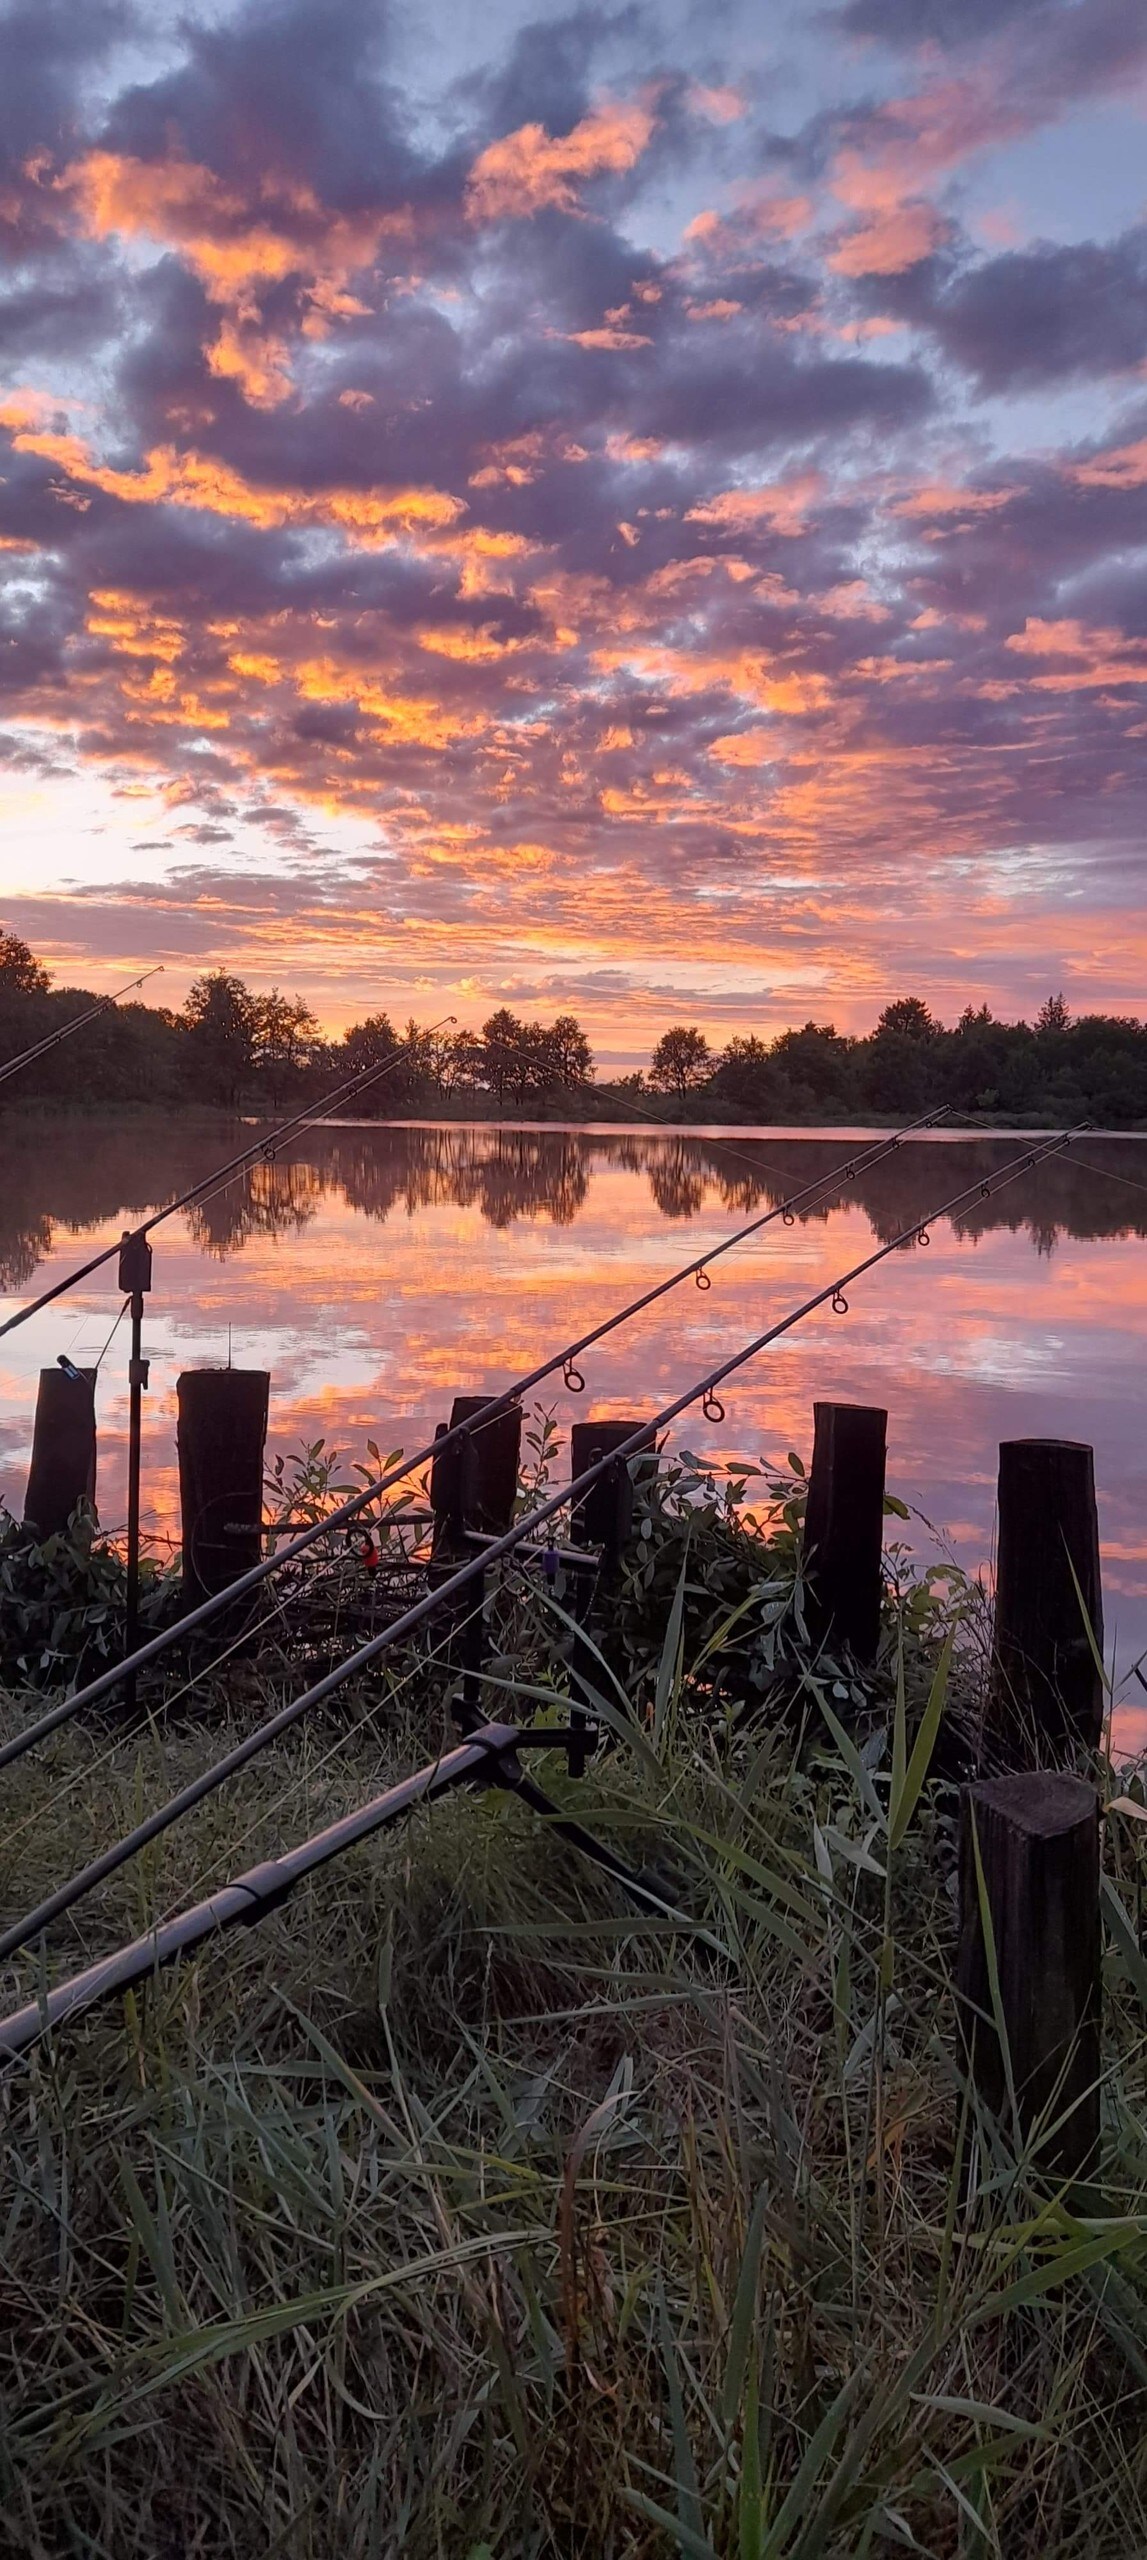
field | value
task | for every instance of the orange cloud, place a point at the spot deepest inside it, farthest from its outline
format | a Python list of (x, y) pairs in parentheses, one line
[(608, 338), (531, 168), (369, 517), (851, 601), (758, 212), (896, 226), (746, 747), (409, 719), (238, 247), (937, 498), (783, 505), (1104, 657), (1122, 467), (889, 240)]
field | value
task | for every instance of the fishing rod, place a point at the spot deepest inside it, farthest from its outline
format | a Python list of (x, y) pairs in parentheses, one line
[(786, 1210), (212, 1183), (702, 1392), (28, 1057), (488, 1757)]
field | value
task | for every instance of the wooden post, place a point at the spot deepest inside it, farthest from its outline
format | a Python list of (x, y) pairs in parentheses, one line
[(63, 1468), (844, 1525), (1038, 1837), (1047, 1693), (604, 1518), (222, 1430), (474, 1484)]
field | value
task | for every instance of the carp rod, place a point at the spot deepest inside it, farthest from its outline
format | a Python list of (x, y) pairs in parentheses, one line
[(263, 1148), (106, 1681), (40, 1049), (702, 1392), (487, 1757)]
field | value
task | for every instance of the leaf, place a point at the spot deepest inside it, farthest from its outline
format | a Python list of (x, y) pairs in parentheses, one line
[(818, 2452), (744, 2314), (688, 2499), (1071, 2260), (850, 1756), (1125, 1938), (669, 1667), (904, 1801), (692, 2546)]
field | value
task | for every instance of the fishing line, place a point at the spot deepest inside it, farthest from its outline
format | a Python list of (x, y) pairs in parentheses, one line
[(437, 1657), (487, 1414), (1109, 1174), (123, 1738), (491, 1553), (682, 1132)]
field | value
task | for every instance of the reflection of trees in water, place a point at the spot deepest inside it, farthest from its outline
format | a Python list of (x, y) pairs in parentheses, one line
[(267, 1200), (677, 1181), (504, 1174), (83, 1176), (21, 1248)]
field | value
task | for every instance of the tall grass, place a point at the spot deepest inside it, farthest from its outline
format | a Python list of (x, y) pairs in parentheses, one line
[(459, 2212)]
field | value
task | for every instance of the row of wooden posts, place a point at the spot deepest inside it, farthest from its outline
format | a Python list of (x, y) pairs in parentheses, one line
[(1029, 1854)]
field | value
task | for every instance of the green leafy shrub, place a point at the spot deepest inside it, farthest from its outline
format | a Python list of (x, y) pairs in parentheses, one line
[(63, 1598)]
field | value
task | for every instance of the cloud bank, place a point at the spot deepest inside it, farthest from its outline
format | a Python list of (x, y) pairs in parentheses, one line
[(558, 526)]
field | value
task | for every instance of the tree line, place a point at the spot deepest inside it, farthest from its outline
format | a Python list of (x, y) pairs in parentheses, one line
[(235, 1050)]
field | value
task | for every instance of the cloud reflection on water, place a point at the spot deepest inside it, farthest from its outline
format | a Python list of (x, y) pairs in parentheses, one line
[(377, 1270)]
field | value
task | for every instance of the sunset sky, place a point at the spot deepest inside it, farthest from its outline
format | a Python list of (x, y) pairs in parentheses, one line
[(639, 509)]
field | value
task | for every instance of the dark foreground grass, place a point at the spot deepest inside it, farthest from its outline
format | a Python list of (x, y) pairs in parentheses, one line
[(457, 2213)]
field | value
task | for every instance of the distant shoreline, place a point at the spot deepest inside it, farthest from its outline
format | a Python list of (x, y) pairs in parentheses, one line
[(34, 1113)]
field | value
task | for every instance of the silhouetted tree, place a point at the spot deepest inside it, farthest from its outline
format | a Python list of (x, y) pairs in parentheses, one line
[(817, 1061), (20, 971), (285, 1035), (909, 1017), (573, 1057), (901, 1067), (681, 1062), (501, 1048), (221, 1016), (1053, 1014)]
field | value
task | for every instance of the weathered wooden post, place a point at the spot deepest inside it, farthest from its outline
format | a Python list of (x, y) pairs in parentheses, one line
[(604, 1516), (603, 1519), (844, 1525), (473, 1485), (1047, 1692), (221, 1433), (1038, 1839), (63, 1468)]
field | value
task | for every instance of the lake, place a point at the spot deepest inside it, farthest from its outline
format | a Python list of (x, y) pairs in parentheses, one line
[(377, 1270)]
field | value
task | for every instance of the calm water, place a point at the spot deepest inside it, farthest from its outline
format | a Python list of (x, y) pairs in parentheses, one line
[(375, 1271)]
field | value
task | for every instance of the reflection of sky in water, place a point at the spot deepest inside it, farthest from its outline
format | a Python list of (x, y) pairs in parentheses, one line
[(376, 1271)]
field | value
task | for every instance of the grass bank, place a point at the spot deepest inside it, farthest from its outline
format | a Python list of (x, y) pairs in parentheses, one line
[(460, 2213)]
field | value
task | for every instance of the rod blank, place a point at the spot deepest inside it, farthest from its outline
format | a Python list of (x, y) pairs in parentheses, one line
[(252, 1895)]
